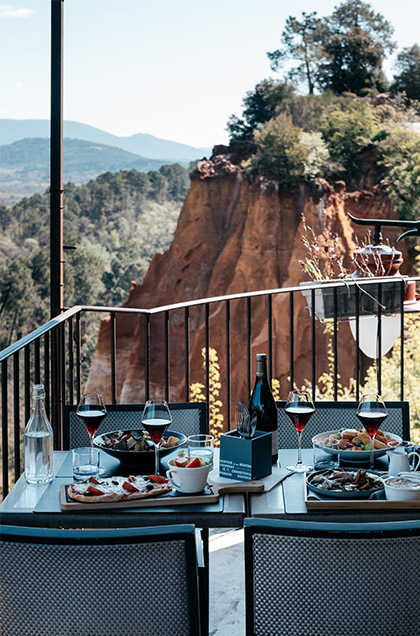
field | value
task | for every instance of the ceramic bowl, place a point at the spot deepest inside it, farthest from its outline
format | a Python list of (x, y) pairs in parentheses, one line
[(141, 462), (352, 456), (403, 492)]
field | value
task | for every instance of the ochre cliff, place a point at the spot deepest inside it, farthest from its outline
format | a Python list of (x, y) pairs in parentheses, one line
[(234, 234)]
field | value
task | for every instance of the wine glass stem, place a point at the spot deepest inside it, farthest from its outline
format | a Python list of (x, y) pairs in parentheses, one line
[(157, 458), (371, 451), (299, 460)]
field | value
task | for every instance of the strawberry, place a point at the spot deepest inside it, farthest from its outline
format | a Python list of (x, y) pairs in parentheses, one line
[(195, 463), (181, 461)]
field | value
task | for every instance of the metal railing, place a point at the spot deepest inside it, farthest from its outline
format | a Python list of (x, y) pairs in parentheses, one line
[(52, 354)]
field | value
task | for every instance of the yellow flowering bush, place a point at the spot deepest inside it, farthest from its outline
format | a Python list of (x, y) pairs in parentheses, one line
[(197, 394)]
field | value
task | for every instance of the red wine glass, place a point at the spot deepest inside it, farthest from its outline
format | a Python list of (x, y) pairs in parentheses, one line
[(155, 420), (91, 411), (371, 412), (299, 408)]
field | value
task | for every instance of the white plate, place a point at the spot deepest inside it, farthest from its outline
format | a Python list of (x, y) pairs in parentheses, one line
[(351, 455)]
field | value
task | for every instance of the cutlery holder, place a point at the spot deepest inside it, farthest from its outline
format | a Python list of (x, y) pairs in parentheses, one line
[(245, 458)]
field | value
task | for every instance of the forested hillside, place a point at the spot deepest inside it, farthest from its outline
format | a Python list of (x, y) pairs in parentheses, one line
[(118, 222), (25, 165)]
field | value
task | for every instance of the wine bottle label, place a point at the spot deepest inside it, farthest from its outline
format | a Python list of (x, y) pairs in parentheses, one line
[(274, 442)]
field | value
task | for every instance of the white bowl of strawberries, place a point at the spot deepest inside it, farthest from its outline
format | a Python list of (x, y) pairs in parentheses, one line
[(188, 474)]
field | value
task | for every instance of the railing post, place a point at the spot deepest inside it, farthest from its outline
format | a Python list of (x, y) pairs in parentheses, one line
[(357, 343), (313, 338), (379, 340), (248, 342), (207, 349), (4, 428), (166, 341), (270, 337), (227, 324), (16, 414), (335, 345), (56, 396), (78, 337), (113, 360), (146, 357), (71, 362), (292, 341), (187, 352), (47, 378), (402, 343)]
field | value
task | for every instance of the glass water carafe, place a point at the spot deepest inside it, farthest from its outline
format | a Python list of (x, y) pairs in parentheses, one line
[(38, 441)]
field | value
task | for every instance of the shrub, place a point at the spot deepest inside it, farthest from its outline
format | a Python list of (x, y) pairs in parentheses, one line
[(215, 405), (401, 157), (287, 152), (348, 128)]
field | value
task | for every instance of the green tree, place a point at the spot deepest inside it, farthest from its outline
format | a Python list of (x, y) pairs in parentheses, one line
[(343, 53), (18, 300), (408, 79), (260, 105), (177, 179), (282, 152), (401, 157), (348, 127), (303, 42), (118, 222), (355, 44)]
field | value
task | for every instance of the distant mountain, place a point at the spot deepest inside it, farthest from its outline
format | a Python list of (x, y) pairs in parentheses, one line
[(25, 168), (12, 130)]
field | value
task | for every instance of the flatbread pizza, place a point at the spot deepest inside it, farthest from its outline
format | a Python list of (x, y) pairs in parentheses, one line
[(118, 488)]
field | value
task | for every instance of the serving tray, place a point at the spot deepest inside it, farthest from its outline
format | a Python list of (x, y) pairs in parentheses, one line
[(313, 502), (216, 487)]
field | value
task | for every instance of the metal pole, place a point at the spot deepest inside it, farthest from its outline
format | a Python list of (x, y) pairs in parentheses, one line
[(56, 160)]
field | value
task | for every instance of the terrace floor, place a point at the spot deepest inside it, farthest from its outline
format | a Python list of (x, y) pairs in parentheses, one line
[(227, 583)]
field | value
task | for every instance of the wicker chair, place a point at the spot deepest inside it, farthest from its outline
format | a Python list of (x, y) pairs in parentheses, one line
[(330, 416), (136, 582), (331, 579)]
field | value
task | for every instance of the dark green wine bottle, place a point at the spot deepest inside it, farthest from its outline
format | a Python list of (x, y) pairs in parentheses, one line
[(262, 404)]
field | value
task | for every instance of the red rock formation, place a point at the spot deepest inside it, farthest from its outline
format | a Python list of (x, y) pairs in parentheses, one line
[(234, 234)]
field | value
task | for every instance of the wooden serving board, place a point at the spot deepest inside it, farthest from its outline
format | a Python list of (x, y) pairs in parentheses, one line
[(355, 504), (210, 495)]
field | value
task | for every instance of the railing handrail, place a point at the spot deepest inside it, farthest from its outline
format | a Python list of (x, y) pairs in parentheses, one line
[(251, 294), (51, 324), (40, 331)]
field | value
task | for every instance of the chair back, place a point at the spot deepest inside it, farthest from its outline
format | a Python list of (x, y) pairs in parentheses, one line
[(133, 581), (189, 418), (330, 579), (331, 416)]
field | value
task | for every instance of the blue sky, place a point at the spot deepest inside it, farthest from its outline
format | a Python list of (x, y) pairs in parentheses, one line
[(172, 68)]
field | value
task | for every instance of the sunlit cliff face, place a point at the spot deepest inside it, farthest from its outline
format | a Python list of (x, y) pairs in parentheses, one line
[(236, 233)]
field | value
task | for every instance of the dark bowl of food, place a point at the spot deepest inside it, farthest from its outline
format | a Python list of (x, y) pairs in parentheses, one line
[(134, 448), (345, 484)]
